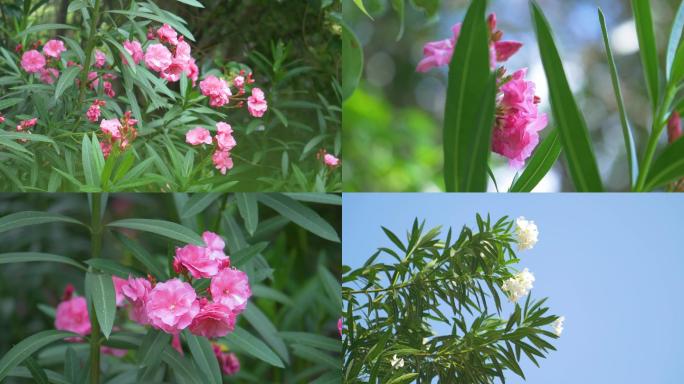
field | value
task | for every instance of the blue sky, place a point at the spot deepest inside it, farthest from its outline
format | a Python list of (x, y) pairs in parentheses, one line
[(613, 264)]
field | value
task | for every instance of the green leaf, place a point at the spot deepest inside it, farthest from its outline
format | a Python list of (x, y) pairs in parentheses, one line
[(570, 122), (314, 340), (113, 267), (668, 167), (185, 371), (27, 347), (142, 256), (314, 355), (204, 357), (362, 7), (104, 300), (36, 370), (26, 218), (352, 57), (149, 352), (647, 47), (331, 286), (400, 7), (6, 103), (300, 214), (630, 148), (194, 3), (66, 80), (161, 19), (320, 198), (245, 254), (404, 378), (468, 111), (27, 257), (197, 204), (92, 177), (675, 39), (44, 27), (539, 163), (160, 227), (249, 210), (267, 330), (429, 6), (245, 342)]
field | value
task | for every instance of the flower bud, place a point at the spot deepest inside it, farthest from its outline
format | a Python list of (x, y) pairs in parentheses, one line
[(674, 127)]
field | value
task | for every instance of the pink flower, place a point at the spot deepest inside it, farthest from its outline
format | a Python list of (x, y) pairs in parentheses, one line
[(32, 61), (518, 123), (48, 75), (72, 315), (183, 52), (166, 34), (119, 283), (93, 79), (197, 136), (222, 160), (2, 119), (214, 320), (674, 127), (196, 260), (134, 49), (339, 326), (111, 127), (26, 124), (217, 90), (172, 305), (192, 72), (106, 148), (331, 161), (173, 72), (214, 246), (54, 48), (108, 90), (93, 113), (256, 104), (136, 291), (224, 137), (239, 81), (100, 59), (231, 288), (230, 364), (158, 57)]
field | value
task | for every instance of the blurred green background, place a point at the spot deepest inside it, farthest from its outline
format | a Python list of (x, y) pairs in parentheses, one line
[(392, 124)]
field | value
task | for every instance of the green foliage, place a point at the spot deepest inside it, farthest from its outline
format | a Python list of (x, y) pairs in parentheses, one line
[(395, 299), (286, 334)]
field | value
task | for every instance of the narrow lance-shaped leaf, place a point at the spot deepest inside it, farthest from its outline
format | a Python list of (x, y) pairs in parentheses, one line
[(570, 122), (539, 164), (26, 257), (27, 218), (66, 80), (204, 357), (675, 38), (626, 130), (469, 82), (104, 300), (249, 210), (647, 47), (27, 347), (352, 57), (300, 214), (247, 343), (160, 227), (668, 167)]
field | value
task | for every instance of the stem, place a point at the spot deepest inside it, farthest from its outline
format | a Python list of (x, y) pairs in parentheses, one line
[(659, 122), (96, 248), (90, 46), (217, 222)]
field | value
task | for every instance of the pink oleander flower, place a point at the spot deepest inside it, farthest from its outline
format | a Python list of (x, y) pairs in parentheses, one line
[(108, 90), (213, 320), (111, 127), (229, 362), (256, 104), (192, 72), (72, 315), (119, 283), (215, 246), (172, 305), (93, 79), (180, 64), (26, 124), (224, 136), (516, 131), (100, 59), (32, 61), (2, 119), (54, 48), (439, 53), (217, 90), (158, 57), (176, 344), (331, 161), (48, 75), (136, 291), (339, 326), (166, 34), (196, 260), (93, 113), (134, 49), (674, 127), (231, 288), (197, 136), (106, 148), (183, 51), (222, 160), (239, 81)]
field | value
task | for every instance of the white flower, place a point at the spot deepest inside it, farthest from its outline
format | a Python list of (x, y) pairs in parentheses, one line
[(558, 325), (527, 233), (518, 285), (397, 363)]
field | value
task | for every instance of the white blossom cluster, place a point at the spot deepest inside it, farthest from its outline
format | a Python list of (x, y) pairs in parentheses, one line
[(558, 325), (518, 285), (397, 362), (527, 233)]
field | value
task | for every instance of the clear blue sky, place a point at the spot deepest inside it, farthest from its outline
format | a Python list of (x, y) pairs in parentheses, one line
[(613, 264)]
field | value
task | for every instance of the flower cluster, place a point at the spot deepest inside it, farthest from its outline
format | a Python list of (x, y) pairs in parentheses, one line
[(328, 159), (518, 285), (24, 126), (121, 132), (228, 361), (93, 113), (45, 64), (224, 139), (170, 57), (527, 233), (558, 325), (518, 122)]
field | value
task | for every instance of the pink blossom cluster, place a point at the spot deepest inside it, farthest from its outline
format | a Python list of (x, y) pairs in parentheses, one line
[(93, 113), (518, 121), (328, 159), (171, 57), (219, 93), (44, 64), (228, 361), (24, 126), (107, 87), (121, 132), (224, 139)]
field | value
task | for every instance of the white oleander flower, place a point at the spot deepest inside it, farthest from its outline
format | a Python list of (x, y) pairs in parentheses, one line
[(397, 362), (558, 325), (518, 285), (527, 233)]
